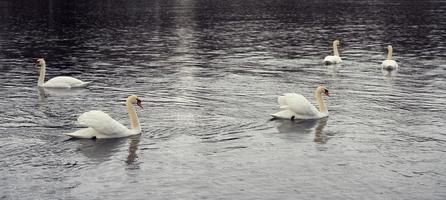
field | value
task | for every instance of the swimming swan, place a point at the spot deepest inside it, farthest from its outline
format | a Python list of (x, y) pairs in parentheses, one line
[(334, 59), (389, 64), (296, 106), (101, 125), (59, 81)]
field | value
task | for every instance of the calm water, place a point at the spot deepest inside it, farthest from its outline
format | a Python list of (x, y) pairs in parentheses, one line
[(209, 73)]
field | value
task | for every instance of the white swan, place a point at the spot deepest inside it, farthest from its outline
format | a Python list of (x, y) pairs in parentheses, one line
[(389, 64), (100, 125), (296, 106), (334, 59), (59, 81)]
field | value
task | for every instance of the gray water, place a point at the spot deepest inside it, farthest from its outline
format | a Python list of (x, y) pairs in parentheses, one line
[(209, 73)]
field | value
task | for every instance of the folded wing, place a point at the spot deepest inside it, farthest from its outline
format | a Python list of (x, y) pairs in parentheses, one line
[(102, 123), (297, 104), (65, 82)]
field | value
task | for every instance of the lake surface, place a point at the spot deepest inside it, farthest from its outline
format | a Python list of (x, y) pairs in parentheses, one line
[(209, 73)]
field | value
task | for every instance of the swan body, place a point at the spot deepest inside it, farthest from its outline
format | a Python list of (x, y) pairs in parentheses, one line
[(296, 106), (65, 82), (331, 60), (101, 125), (335, 58), (59, 81), (389, 64)]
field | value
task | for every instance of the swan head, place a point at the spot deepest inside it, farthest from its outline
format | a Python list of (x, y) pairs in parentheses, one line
[(389, 47), (323, 90), (336, 42), (133, 99), (40, 62)]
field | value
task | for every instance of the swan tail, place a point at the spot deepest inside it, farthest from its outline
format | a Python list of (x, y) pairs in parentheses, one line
[(83, 84), (284, 114), (331, 62), (284, 107), (388, 68), (83, 133)]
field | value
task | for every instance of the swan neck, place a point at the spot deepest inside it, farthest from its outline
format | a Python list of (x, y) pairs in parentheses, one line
[(41, 80), (320, 101), (134, 121), (335, 49), (389, 53)]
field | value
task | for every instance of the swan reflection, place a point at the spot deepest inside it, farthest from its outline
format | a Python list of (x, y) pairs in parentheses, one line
[(99, 150), (319, 136), (333, 70), (61, 91), (41, 93), (44, 93), (133, 147), (291, 129)]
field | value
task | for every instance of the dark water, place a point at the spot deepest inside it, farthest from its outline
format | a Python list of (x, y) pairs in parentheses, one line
[(209, 73)]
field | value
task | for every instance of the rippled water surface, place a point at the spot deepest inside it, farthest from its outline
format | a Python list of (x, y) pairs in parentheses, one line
[(209, 73)]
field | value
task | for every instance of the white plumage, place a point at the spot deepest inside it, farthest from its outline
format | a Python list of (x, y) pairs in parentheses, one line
[(101, 125), (331, 60), (389, 64), (296, 106), (59, 81), (65, 82), (335, 58)]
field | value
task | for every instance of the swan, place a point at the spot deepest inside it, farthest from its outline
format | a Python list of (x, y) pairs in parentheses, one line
[(334, 59), (389, 64), (295, 106), (59, 81), (101, 125)]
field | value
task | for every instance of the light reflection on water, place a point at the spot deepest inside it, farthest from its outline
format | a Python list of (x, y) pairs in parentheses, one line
[(209, 74)]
